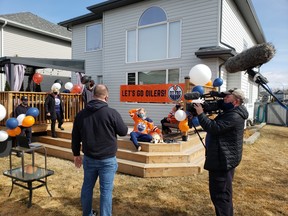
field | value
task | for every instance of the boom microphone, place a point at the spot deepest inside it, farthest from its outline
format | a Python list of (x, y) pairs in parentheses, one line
[(250, 58), (191, 95)]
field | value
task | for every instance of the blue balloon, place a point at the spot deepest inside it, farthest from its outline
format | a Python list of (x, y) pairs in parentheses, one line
[(12, 123), (199, 89), (33, 111), (195, 121), (217, 82)]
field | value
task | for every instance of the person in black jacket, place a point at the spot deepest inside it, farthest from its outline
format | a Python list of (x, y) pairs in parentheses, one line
[(95, 129), (54, 110), (22, 109), (224, 144), (87, 93)]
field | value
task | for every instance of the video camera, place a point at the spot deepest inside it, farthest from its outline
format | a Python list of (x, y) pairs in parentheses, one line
[(212, 104)]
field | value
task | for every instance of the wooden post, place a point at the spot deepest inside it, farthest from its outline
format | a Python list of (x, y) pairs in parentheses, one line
[(186, 90)]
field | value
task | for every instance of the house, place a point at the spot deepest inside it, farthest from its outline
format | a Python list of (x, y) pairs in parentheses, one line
[(27, 35), (145, 42)]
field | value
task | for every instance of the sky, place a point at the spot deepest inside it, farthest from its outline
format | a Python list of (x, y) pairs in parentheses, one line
[(272, 15)]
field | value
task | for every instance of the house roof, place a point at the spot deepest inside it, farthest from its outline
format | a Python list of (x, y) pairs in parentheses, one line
[(97, 11), (32, 22), (62, 64), (245, 7)]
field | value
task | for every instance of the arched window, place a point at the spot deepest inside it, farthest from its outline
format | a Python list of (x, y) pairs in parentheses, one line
[(152, 15), (155, 37)]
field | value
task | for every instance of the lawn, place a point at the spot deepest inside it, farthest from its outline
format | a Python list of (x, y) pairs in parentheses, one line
[(260, 187)]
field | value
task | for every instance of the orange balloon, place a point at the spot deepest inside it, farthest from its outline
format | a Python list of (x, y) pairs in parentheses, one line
[(183, 125), (17, 130), (76, 89), (37, 78), (11, 133), (14, 132), (210, 83), (28, 121)]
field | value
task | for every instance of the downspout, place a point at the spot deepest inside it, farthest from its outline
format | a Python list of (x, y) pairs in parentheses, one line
[(2, 85), (2, 41)]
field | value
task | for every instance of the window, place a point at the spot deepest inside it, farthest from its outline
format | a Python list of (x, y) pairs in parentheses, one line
[(152, 15), (155, 38), (100, 79), (94, 37), (153, 77)]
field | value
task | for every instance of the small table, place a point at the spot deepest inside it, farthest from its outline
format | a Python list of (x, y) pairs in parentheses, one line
[(37, 174)]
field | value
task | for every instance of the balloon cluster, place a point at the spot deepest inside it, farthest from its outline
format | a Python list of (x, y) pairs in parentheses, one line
[(200, 75), (181, 116), (69, 86), (13, 124)]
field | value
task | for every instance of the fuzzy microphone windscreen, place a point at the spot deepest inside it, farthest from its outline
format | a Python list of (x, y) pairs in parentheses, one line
[(250, 58)]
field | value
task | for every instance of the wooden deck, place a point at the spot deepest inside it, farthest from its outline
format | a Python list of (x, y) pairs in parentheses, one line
[(155, 160)]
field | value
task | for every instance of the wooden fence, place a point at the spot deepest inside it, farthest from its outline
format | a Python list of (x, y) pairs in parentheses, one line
[(72, 103)]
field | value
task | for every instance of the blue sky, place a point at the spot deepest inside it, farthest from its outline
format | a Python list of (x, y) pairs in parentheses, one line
[(272, 15)]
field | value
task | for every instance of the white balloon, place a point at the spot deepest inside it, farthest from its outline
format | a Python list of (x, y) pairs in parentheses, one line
[(2, 112), (200, 74), (68, 86), (20, 118), (3, 136), (56, 85), (180, 115)]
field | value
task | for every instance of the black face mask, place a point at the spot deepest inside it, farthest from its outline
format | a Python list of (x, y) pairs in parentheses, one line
[(25, 103), (55, 93)]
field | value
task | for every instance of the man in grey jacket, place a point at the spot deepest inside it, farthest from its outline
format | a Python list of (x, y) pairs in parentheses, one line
[(224, 145)]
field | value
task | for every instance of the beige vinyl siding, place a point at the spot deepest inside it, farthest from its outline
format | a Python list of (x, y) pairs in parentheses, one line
[(199, 27), (28, 44)]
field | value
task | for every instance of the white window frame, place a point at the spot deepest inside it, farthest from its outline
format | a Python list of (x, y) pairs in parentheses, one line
[(137, 28), (166, 78), (101, 44)]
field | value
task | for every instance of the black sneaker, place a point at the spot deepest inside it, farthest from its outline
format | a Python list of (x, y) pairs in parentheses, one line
[(19, 154), (61, 128), (94, 212)]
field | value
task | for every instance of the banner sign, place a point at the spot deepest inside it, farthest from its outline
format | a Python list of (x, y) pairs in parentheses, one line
[(154, 93)]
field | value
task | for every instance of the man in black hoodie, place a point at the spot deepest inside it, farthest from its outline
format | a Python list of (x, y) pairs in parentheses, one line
[(224, 145), (96, 127)]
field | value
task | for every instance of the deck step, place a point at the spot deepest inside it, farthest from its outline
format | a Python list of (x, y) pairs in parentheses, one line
[(57, 151), (158, 170), (162, 157), (181, 158), (61, 142)]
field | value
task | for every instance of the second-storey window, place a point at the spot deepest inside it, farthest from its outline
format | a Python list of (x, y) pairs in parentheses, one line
[(94, 37), (155, 38)]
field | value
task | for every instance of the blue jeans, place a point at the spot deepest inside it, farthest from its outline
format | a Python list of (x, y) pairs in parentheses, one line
[(137, 136), (106, 170)]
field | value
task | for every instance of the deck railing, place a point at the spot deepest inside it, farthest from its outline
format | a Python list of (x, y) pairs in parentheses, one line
[(72, 103)]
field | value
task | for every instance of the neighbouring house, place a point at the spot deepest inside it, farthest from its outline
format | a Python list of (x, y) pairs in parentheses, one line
[(137, 47), (30, 36)]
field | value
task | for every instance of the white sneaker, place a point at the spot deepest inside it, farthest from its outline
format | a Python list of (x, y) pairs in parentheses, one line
[(139, 148)]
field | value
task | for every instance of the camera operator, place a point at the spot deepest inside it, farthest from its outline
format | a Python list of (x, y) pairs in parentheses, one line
[(224, 144)]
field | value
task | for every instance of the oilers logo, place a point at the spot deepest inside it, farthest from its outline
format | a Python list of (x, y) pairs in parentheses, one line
[(141, 127), (175, 92)]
